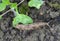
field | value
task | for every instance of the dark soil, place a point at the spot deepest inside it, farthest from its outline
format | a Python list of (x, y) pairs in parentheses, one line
[(45, 33)]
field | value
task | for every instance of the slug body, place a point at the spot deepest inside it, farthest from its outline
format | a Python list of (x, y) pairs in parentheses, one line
[(31, 26)]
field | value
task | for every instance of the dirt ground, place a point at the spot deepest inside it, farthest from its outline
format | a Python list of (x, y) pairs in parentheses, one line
[(45, 33)]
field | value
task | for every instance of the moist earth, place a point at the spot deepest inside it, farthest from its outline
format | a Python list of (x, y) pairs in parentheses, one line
[(45, 33)]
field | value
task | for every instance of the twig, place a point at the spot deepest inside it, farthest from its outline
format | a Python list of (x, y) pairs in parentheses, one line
[(6, 12), (20, 2)]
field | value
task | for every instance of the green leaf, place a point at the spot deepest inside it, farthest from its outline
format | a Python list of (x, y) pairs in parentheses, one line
[(7, 2), (13, 5), (0, 17), (21, 18), (2, 6), (35, 3)]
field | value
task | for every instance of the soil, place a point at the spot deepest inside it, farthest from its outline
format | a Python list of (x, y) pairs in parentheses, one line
[(44, 33)]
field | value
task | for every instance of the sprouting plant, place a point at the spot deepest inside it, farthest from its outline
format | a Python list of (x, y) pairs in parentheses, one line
[(19, 18), (35, 3)]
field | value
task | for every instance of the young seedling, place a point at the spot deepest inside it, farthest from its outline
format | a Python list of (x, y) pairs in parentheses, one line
[(21, 18)]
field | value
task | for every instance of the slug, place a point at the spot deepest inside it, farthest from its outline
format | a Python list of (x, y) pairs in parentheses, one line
[(31, 26)]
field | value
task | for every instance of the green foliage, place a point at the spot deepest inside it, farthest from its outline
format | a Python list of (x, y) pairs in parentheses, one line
[(0, 17), (21, 18), (35, 3), (6, 2), (2, 6), (13, 5)]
